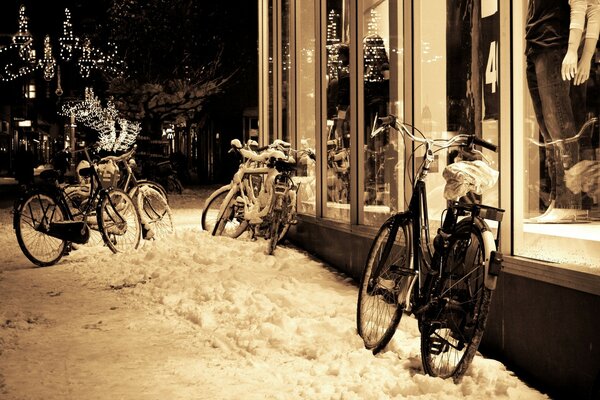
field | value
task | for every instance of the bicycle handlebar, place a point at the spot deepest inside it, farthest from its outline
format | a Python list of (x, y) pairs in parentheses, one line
[(468, 139), (480, 142), (122, 157)]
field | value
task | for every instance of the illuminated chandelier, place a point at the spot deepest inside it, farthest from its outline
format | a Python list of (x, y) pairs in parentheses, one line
[(71, 49)]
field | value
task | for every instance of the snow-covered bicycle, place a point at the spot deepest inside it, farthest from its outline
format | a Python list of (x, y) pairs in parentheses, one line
[(149, 197), (446, 283), (261, 197)]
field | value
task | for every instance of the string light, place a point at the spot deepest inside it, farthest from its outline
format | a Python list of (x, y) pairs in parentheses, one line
[(374, 51), (104, 120), (332, 41), (48, 62), (71, 48)]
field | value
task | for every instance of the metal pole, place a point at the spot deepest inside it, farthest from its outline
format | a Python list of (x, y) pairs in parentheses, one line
[(72, 140)]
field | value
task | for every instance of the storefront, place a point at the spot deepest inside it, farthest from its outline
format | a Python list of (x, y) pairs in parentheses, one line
[(329, 67)]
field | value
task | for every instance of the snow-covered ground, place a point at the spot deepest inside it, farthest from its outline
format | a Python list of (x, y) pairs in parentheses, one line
[(201, 317)]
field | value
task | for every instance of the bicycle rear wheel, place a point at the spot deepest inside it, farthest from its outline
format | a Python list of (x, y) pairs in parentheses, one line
[(453, 327), (386, 280), (155, 213), (119, 221), (33, 215)]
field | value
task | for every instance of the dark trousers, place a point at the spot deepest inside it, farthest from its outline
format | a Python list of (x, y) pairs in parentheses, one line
[(560, 110)]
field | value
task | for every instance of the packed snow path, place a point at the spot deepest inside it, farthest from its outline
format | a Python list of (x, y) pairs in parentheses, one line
[(199, 317)]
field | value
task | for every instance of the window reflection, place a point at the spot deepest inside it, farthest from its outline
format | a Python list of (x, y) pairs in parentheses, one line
[(305, 104), (381, 153), (338, 110)]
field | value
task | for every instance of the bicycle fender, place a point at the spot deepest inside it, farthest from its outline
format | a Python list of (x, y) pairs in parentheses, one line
[(492, 261)]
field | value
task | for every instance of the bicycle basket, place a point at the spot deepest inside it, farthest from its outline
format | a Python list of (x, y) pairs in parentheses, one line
[(463, 177), (109, 173)]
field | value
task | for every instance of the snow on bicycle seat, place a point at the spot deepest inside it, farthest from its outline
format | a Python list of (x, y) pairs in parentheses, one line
[(267, 154)]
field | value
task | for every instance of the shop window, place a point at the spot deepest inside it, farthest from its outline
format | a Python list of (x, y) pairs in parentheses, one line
[(456, 84), (382, 80), (30, 92), (339, 119), (306, 83), (557, 179)]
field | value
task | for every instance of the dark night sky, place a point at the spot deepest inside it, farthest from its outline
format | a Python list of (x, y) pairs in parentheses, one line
[(88, 18)]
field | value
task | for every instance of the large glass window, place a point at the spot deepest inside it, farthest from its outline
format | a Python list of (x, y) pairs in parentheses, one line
[(557, 167), (306, 84), (337, 61), (383, 155), (285, 71), (456, 82)]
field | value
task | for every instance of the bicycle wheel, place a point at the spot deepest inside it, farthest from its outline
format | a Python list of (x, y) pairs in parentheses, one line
[(452, 328), (119, 221), (32, 218), (231, 221), (386, 280), (210, 212), (277, 223), (155, 213), (155, 185), (173, 185)]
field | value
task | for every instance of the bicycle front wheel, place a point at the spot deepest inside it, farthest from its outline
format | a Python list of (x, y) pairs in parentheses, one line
[(155, 185), (386, 280), (32, 219), (155, 213), (119, 221), (230, 222), (277, 224), (453, 327)]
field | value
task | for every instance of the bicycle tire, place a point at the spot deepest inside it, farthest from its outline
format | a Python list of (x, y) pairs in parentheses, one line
[(453, 327), (274, 230), (383, 286), (173, 185), (155, 213), (34, 209), (212, 205), (155, 185), (119, 221), (230, 222)]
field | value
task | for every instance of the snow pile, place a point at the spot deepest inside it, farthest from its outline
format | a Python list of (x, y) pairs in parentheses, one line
[(281, 327)]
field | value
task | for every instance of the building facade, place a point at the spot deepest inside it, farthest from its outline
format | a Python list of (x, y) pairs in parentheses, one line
[(329, 68)]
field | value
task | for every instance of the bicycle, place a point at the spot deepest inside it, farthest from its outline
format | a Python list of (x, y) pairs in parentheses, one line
[(46, 222), (149, 197), (261, 196), (446, 283), (163, 173)]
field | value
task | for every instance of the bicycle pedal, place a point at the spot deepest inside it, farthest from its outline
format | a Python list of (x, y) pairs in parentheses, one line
[(387, 295), (438, 346)]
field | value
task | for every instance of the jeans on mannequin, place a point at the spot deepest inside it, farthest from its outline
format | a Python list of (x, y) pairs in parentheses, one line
[(560, 110)]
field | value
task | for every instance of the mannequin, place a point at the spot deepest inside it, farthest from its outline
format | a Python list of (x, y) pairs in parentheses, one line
[(555, 77)]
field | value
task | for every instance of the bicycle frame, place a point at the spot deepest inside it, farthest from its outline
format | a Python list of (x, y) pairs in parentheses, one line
[(424, 255)]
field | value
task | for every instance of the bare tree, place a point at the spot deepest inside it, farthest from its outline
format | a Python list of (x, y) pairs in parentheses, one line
[(173, 50)]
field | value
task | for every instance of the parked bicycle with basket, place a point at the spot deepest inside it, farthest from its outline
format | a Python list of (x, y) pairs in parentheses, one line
[(446, 283), (46, 221)]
